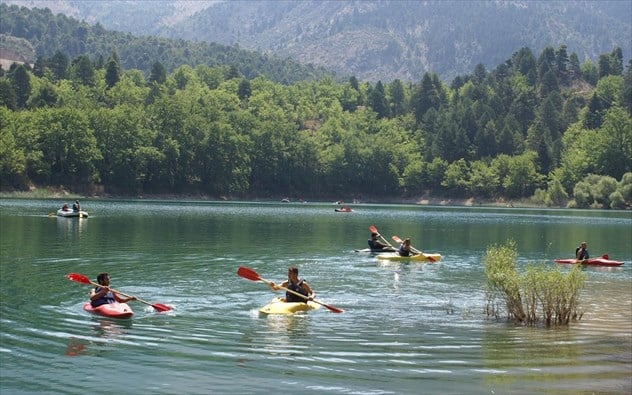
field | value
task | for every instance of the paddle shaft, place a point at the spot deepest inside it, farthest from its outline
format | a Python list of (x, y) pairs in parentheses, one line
[(124, 294), (254, 276), (289, 290)]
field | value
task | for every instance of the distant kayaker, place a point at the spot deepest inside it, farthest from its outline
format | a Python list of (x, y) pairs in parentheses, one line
[(295, 284), (102, 294), (404, 248), (65, 207), (581, 253), (375, 244), (76, 207)]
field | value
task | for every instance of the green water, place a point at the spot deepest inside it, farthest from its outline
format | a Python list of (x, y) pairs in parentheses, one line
[(407, 328)]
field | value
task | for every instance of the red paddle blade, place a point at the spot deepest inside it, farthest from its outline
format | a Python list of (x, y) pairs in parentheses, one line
[(248, 273), (373, 229), (161, 307), (396, 239), (78, 278), (334, 309)]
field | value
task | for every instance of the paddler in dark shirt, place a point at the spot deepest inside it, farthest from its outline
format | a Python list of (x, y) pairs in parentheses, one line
[(581, 253), (103, 295), (375, 244), (295, 284)]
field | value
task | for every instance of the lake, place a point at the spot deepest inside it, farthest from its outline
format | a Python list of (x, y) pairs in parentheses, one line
[(408, 328)]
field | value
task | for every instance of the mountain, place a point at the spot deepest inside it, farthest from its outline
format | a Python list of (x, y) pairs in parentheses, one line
[(374, 40)]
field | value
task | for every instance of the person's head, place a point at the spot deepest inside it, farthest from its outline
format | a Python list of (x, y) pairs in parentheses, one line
[(583, 244), (374, 236), (103, 279), (77, 201), (407, 242), (292, 272)]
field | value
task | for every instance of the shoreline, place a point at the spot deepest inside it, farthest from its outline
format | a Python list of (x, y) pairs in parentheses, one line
[(61, 194)]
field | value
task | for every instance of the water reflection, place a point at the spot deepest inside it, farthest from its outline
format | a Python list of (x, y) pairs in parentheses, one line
[(103, 330), (71, 226)]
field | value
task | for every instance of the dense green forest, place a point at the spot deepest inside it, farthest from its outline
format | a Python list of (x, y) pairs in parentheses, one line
[(543, 126)]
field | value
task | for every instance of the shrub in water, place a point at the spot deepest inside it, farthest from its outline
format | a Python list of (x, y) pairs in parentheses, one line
[(541, 294)]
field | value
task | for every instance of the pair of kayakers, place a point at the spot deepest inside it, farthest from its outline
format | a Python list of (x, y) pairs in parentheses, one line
[(76, 207), (405, 249)]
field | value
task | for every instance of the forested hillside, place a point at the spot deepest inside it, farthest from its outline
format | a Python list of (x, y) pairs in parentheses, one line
[(373, 40), (47, 34), (542, 126)]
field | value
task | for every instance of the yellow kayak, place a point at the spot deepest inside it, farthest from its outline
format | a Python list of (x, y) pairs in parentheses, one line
[(278, 306), (394, 256)]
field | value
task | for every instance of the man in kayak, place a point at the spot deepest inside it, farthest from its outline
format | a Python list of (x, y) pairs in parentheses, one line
[(581, 253), (295, 284), (375, 244), (405, 249), (102, 294), (76, 207)]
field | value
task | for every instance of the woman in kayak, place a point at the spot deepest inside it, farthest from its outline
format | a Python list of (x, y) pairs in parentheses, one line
[(102, 294), (581, 253), (404, 249), (295, 284)]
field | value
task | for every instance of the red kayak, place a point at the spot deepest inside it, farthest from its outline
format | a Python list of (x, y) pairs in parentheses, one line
[(112, 310), (600, 261)]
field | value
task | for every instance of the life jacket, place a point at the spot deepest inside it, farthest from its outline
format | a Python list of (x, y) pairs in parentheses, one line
[(583, 254), (402, 252), (372, 245), (290, 297), (105, 299)]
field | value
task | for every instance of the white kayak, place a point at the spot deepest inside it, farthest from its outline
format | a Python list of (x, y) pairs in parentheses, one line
[(71, 214)]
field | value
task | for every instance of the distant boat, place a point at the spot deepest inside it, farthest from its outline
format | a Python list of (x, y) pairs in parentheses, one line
[(285, 200)]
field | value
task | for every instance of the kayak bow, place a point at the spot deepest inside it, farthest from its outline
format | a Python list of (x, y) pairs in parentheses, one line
[(279, 306), (111, 310)]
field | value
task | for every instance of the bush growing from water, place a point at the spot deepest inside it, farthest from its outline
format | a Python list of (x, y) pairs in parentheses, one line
[(542, 294)]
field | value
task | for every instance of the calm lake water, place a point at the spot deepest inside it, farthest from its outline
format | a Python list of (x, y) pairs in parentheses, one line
[(407, 328)]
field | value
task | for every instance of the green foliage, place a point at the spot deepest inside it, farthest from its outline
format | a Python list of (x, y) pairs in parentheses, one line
[(539, 295), (603, 192), (212, 129)]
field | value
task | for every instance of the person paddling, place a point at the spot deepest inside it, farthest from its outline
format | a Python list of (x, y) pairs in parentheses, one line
[(581, 252), (295, 284), (375, 244), (103, 295), (405, 249)]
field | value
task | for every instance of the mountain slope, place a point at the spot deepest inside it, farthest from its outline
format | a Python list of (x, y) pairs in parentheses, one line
[(402, 39), (374, 40)]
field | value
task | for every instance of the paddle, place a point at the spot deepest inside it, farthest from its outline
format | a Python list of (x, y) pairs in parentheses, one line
[(413, 249), (85, 280), (373, 229), (250, 274)]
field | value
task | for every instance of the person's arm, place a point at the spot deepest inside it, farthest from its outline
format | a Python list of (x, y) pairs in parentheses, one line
[(310, 294), (119, 299), (275, 287), (96, 295)]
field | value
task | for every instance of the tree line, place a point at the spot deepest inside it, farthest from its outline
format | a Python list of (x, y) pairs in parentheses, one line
[(545, 127)]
